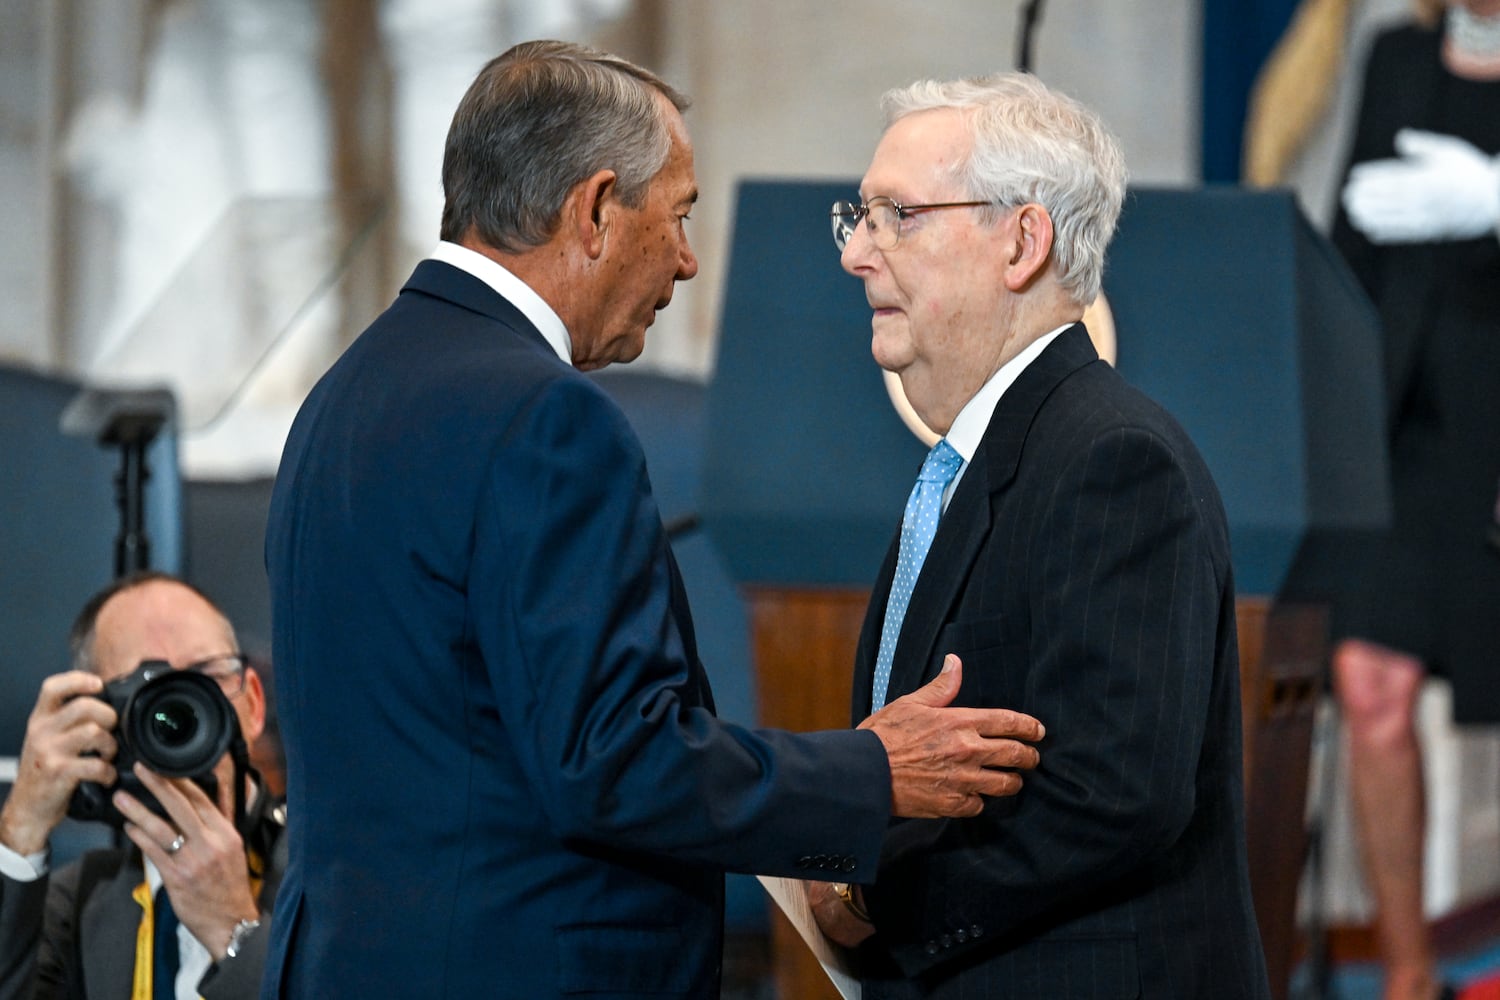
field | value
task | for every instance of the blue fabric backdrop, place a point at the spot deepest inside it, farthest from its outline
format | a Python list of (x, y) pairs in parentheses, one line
[(1238, 36)]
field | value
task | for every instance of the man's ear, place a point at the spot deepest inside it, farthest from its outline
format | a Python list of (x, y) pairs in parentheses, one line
[(1031, 246), (253, 718), (589, 209)]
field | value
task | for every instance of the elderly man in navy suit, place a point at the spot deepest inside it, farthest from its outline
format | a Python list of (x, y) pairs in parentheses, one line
[(507, 776), (1078, 565)]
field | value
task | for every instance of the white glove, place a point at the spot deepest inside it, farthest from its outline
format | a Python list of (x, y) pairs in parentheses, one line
[(1441, 188)]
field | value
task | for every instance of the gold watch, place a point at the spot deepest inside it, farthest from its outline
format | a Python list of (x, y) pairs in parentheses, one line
[(845, 892)]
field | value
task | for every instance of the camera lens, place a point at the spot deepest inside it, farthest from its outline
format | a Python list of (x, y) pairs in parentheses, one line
[(179, 724), (174, 723)]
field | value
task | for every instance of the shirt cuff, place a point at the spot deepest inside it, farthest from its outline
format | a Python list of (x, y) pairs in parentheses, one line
[(22, 867)]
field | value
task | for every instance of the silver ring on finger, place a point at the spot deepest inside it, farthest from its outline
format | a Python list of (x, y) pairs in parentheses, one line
[(176, 844)]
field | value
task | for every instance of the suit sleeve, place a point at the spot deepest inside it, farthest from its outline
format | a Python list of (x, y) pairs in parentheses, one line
[(1122, 581), (605, 702), (21, 906), (37, 934)]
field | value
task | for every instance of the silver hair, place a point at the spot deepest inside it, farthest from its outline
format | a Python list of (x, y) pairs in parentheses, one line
[(1034, 144), (539, 119)]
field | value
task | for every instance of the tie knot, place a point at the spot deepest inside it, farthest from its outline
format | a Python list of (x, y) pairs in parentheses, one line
[(942, 463)]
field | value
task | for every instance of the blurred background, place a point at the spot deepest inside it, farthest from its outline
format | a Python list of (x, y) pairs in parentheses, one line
[(138, 137)]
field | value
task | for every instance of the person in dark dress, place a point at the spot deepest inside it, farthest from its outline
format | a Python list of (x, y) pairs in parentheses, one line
[(1419, 212)]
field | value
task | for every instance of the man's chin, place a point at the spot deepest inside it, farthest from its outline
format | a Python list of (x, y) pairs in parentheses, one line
[(888, 356), (621, 354)]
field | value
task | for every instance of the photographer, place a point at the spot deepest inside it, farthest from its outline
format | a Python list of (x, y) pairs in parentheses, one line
[(176, 912)]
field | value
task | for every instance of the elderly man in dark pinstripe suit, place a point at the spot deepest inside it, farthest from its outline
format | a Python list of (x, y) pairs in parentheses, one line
[(1078, 567)]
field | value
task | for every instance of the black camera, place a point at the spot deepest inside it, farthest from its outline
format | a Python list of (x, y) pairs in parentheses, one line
[(176, 722)]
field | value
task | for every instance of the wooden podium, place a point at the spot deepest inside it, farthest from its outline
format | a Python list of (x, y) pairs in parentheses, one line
[(1230, 311), (802, 643)]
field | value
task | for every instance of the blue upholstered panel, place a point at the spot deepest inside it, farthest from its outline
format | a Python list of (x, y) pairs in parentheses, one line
[(1231, 311), (808, 465), (1245, 324), (58, 524)]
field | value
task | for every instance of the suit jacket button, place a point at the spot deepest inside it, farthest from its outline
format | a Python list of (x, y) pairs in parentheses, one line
[(849, 863), (960, 935), (931, 948), (804, 862), (976, 931), (946, 941)]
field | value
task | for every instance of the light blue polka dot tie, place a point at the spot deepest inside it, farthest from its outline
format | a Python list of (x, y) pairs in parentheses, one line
[(923, 508)]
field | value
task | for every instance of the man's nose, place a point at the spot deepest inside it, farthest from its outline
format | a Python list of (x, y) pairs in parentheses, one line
[(687, 261), (857, 249)]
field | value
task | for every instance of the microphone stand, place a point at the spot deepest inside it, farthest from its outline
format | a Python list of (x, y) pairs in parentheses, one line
[(128, 419), (1031, 14)]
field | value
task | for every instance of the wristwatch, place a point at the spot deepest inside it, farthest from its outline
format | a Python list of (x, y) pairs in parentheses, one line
[(845, 891), (239, 936)]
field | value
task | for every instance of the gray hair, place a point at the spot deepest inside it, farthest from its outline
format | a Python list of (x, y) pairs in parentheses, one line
[(1033, 144), (539, 119)]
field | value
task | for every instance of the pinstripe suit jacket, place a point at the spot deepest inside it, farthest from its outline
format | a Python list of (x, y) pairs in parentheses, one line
[(1082, 573)]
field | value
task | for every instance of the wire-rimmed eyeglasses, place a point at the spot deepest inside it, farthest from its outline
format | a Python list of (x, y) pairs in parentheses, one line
[(882, 217), (227, 670)]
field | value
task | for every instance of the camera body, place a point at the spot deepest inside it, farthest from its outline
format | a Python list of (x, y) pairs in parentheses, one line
[(176, 722)]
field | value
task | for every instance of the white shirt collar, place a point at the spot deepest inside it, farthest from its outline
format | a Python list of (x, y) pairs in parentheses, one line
[(972, 421), (513, 290)]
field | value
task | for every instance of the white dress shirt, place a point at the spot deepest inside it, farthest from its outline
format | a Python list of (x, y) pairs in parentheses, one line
[(513, 290), (972, 421)]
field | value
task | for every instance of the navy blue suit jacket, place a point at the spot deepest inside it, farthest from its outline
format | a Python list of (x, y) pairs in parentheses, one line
[(1081, 571), (504, 771)]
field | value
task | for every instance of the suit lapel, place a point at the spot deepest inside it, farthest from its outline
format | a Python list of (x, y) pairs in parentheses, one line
[(109, 961), (970, 518)]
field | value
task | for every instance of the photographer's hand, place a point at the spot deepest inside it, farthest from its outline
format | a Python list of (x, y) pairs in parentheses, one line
[(63, 727), (206, 876)]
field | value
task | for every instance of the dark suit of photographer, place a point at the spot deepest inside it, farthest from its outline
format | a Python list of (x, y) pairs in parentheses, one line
[(84, 930)]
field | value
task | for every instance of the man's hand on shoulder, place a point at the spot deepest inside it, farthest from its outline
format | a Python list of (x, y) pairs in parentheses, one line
[(944, 761)]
